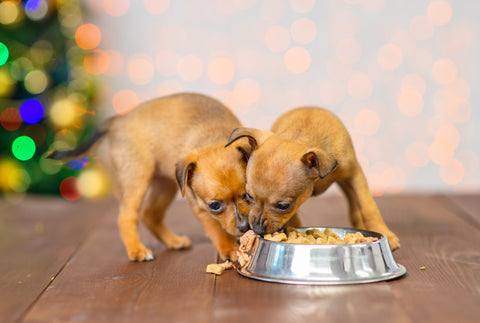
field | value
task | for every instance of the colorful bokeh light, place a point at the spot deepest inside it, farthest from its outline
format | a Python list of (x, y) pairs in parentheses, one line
[(10, 119), (31, 111), (69, 189), (23, 148), (78, 164), (4, 53)]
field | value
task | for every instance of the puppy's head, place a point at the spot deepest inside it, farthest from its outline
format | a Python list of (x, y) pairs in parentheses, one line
[(280, 177), (215, 177)]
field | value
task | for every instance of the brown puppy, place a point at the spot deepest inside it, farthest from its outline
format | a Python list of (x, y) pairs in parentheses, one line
[(175, 139), (308, 150)]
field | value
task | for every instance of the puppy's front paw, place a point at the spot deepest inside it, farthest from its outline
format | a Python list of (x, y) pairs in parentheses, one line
[(178, 243), (140, 254), (230, 254), (393, 241)]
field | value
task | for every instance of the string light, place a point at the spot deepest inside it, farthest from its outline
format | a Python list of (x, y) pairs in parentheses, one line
[(23, 148)]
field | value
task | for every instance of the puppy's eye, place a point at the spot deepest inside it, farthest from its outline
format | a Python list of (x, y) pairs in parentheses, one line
[(248, 198), (216, 206), (282, 206)]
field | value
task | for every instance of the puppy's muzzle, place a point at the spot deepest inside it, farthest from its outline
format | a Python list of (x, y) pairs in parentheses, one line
[(242, 222), (258, 224)]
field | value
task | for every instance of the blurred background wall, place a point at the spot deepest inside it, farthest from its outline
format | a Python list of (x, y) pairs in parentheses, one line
[(401, 75)]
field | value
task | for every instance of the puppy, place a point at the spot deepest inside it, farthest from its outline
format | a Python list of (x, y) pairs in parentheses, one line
[(177, 139), (308, 150)]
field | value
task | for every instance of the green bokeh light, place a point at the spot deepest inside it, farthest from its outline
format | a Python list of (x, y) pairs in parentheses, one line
[(3, 53), (23, 148)]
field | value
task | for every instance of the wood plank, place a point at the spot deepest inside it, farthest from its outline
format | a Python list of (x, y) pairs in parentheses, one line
[(448, 290), (467, 205), (37, 237), (100, 284), (253, 300)]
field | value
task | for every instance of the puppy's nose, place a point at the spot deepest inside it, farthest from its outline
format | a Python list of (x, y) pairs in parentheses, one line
[(259, 227), (243, 227)]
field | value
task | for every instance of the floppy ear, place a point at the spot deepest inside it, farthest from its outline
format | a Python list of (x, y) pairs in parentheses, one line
[(255, 137), (320, 163), (183, 172)]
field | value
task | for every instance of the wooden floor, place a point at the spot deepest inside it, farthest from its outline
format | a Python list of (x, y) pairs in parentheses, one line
[(64, 262)]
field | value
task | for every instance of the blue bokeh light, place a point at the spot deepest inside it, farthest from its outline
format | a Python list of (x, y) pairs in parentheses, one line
[(32, 5), (78, 164), (31, 111)]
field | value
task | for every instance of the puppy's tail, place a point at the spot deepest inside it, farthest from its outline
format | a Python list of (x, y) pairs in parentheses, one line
[(86, 147)]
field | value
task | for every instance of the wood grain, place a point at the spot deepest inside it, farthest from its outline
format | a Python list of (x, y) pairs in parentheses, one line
[(100, 284), (37, 237)]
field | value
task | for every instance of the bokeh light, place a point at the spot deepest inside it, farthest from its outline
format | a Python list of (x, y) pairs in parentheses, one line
[(414, 82), (88, 36), (78, 163), (36, 9), (140, 69), (69, 189), (303, 31), (94, 183), (97, 62), (13, 177), (421, 28), (297, 60), (156, 7), (36, 81), (4, 53), (441, 152), (359, 85), (439, 12), (23, 148), (116, 8), (302, 6), (247, 91), (63, 112), (37, 132), (31, 111), (9, 12), (389, 57), (444, 71), (277, 39), (452, 173), (221, 70), (10, 119), (410, 102), (115, 63), (125, 100), (367, 122), (190, 68)]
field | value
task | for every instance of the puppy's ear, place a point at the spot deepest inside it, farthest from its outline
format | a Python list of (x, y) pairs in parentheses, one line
[(255, 136), (319, 163), (183, 172), (246, 152)]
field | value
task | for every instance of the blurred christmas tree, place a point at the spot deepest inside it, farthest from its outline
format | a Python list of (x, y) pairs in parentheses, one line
[(46, 97)]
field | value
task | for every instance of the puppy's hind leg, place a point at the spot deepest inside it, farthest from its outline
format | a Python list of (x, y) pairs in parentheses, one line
[(161, 193), (370, 214)]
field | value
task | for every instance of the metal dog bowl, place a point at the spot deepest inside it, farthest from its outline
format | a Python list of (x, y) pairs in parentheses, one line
[(323, 264)]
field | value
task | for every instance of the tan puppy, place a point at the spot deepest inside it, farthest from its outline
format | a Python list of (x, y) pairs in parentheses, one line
[(175, 139), (307, 150)]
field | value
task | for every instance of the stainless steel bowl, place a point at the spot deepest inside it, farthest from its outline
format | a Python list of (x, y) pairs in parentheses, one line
[(323, 264)]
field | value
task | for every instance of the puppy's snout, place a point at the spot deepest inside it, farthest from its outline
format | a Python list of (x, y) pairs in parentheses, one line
[(242, 221), (259, 226)]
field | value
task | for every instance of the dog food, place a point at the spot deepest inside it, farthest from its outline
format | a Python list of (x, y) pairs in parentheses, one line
[(218, 269), (315, 236), (246, 244)]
